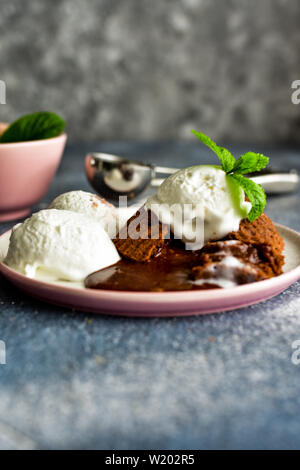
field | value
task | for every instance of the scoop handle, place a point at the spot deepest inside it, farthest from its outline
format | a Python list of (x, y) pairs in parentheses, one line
[(278, 183), (165, 170), (273, 183)]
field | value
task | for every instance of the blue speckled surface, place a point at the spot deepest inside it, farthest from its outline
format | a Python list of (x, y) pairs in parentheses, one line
[(74, 380)]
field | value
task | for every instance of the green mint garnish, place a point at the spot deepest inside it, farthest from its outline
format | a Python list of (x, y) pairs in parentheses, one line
[(250, 162), (255, 193), (226, 158), (247, 163), (35, 126)]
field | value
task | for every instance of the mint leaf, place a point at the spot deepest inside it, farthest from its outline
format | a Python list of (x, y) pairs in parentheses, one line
[(255, 193), (35, 126), (226, 158), (250, 162)]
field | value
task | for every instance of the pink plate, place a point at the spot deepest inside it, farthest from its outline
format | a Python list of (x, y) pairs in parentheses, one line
[(160, 304)]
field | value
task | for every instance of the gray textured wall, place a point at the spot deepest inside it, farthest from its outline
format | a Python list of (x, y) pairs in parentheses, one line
[(153, 69)]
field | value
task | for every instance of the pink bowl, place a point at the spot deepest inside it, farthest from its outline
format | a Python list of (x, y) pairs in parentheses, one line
[(26, 171)]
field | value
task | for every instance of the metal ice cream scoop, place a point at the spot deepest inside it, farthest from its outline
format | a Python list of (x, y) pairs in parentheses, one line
[(113, 176)]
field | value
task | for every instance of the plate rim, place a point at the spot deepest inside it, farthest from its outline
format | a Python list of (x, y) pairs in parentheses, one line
[(189, 296)]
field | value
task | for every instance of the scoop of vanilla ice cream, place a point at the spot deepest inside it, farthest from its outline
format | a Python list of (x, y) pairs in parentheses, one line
[(62, 245), (91, 205), (200, 203)]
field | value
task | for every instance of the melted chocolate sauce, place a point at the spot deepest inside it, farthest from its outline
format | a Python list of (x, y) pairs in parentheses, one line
[(172, 270)]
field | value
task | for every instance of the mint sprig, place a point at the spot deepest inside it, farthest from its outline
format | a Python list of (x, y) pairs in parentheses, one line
[(226, 158), (35, 126), (248, 163), (255, 193)]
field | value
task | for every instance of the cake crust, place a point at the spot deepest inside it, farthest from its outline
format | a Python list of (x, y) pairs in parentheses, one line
[(150, 234), (258, 247), (262, 234)]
